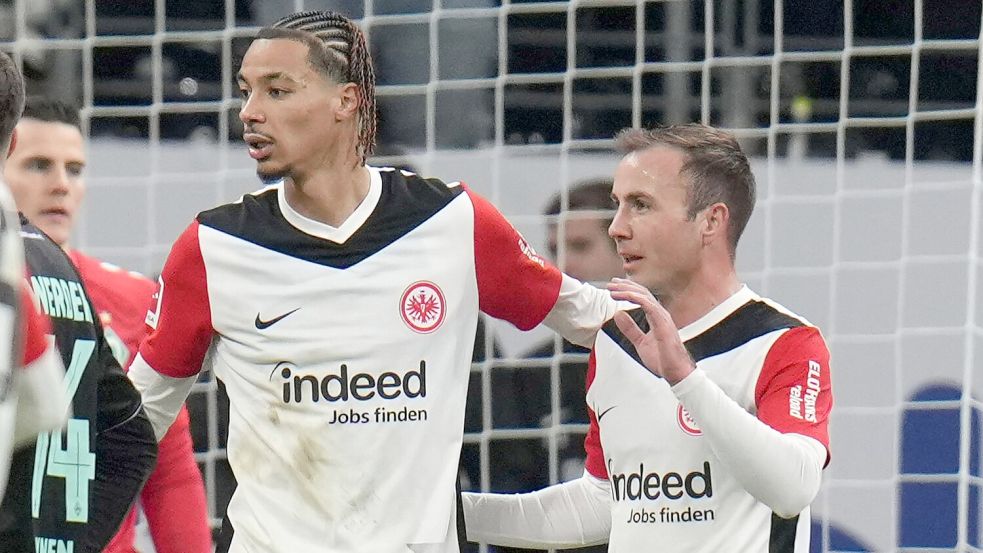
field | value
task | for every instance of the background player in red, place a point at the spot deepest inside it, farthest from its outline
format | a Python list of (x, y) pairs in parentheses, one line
[(339, 306), (45, 173), (720, 444)]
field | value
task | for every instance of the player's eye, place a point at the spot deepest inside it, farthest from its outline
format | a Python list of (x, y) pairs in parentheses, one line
[(277, 93), (74, 170), (243, 93), (39, 165)]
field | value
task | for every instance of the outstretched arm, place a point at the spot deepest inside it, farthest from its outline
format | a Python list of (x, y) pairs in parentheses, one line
[(571, 514), (517, 285)]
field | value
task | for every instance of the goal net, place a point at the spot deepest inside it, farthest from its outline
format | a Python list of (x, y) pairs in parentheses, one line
[(864, 121)]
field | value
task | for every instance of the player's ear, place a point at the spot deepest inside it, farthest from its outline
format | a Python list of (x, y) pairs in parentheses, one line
[(348, 101), (13, 142), (715, 222)]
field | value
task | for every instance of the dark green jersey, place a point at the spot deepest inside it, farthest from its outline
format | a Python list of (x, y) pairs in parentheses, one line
[(76, 485)]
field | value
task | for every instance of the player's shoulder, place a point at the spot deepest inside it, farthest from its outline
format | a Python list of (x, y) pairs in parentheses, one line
[(407, 186), (96, 269)]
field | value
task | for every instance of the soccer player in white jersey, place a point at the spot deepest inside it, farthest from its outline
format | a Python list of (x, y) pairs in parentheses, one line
[(709, 406), (339, 305)]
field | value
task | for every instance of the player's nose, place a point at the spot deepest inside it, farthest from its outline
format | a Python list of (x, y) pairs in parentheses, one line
[(618, 229), (250, 112)]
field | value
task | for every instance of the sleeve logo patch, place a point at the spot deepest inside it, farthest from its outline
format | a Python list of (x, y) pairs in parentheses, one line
[(153, 316), (422, 307), (529, 252), (802, 404), (686, 422)]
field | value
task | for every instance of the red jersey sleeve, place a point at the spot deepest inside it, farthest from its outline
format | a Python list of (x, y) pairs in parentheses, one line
[(35, 326), (174, 496), (514, 284), (793, 393), (592, 443), (180, 315)]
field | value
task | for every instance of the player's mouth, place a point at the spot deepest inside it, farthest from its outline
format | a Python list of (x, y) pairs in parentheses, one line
[(55, 214), (260, 146), (629, 261)]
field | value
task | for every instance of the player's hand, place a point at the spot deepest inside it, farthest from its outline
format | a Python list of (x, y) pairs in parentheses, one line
[(660, 349)]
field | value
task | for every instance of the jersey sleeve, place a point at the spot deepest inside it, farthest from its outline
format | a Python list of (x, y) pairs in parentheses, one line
[(35, 326), (594, 464), (174, 496), (793, 393), (180, 315), (514, 284)]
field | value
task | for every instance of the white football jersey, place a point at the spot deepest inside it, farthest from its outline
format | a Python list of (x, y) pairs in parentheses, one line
[(345, 352), (11, 283), (669, 490)]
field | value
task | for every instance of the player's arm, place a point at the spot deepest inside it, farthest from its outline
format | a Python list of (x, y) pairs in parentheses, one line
[(41, 402), (181, 332), (174, 497), (776, 459), (517, 285), (126, 450), (572, 514)]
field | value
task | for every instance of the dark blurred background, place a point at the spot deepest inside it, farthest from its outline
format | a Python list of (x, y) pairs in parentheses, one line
[(201, 43)]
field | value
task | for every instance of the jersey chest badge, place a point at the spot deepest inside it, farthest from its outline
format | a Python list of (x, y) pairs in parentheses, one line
[(422, 307), (686, 422)]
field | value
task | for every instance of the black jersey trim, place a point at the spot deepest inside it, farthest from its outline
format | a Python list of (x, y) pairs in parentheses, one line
[(406, 202), (462, 529), (752, 320), (782, 536), (225, 534)]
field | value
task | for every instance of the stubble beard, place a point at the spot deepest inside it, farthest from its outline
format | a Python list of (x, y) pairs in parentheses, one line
[(271, 174)]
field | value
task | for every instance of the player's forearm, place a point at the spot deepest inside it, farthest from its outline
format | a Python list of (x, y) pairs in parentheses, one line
[(163, 396), (125, 456), (572, 514), (580, 311), (783, 471)]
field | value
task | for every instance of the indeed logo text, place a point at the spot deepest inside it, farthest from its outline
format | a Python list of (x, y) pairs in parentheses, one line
[(652, 485), (344, 385)]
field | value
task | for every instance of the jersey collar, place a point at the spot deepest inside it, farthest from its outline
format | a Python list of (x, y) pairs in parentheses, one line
[(717, 314), (340, 234)]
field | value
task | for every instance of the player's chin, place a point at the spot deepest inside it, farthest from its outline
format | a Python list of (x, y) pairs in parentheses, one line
[(268, 171)]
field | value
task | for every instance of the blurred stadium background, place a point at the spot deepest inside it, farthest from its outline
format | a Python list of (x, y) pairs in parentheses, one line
[(864, 120)]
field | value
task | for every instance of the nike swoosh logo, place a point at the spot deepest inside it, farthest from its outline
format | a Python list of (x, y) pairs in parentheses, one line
[(261, 324), (605, 412)]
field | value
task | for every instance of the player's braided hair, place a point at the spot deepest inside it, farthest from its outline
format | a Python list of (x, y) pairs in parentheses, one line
[(341, 53)]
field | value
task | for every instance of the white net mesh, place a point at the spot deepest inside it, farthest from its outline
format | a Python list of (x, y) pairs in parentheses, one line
[(863, 118)]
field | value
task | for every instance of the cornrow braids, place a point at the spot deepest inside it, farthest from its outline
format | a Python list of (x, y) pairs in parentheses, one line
[(344, 56)]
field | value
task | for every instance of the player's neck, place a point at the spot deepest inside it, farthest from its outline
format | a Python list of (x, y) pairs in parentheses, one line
[(329, 195), (710, 287)]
